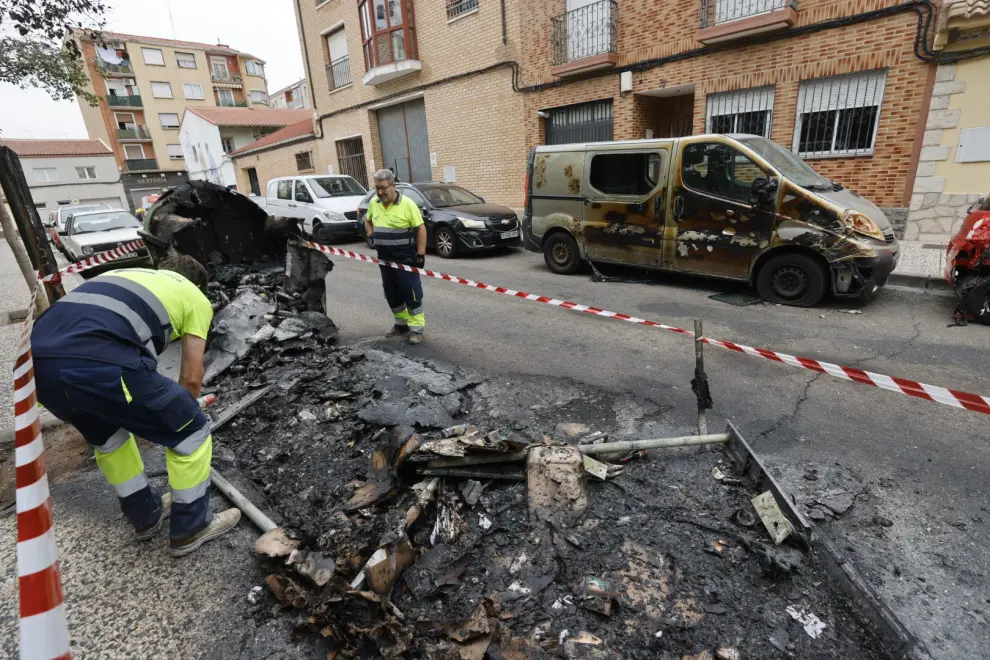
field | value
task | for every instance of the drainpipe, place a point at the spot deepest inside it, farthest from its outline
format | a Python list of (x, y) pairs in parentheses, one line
[(505, 39), (302, 39)]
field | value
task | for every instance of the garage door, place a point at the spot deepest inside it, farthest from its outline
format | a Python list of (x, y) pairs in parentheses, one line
[(405, 141), (112, 202), (585, 122)]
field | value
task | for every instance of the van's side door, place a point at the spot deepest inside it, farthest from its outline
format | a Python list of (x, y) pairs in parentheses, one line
[(624, 205), (279, 197), (715, 230)]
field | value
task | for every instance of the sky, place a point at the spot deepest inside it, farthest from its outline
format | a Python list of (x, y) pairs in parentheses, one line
[(263, 28)]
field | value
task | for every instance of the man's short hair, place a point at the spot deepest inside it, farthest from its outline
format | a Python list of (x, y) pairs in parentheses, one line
[(385, 175), (188, 267)]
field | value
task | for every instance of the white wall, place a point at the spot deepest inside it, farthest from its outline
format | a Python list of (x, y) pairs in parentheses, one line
[(69, 187), (203, 152)]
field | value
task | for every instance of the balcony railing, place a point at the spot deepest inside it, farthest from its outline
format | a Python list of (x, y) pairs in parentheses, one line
[(232, 104), (339, 72), (714, 12), (106, 68), (138, 164), (585, 32), (225, 77), (457, 8), (136, 133), (117, 101)]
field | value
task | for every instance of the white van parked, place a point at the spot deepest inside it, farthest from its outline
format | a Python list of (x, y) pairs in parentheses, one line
[(326, 204)]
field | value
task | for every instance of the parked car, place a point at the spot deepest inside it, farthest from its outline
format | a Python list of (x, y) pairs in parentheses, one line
[(56, 219), (739, 207), (97, 231), (456, 220), (967, 265), (324, 203)]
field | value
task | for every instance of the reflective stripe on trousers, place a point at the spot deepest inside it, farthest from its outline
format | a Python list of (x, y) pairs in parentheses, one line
[(188, 466)]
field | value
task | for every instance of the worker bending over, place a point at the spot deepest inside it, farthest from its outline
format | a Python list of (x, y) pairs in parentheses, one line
[(395, 223), (96, 367)]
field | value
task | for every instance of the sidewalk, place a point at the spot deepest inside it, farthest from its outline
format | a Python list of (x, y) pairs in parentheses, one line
[(922, 266)]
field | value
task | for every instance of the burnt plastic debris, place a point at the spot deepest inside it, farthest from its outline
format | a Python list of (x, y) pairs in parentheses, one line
[(214, 225)]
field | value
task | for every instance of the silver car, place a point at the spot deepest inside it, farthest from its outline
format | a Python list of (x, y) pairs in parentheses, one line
[(90, 233)]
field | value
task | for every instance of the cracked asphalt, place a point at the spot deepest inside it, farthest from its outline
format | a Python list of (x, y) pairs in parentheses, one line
[(918, 470)]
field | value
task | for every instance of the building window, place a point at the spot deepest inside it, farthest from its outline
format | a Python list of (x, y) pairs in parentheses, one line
[(51, 174), (175, 152), (839, 116), (218, 69), (192, 90), (304, 161), (168, 119), (719, 170), (254, 68), (742, 111), (258, 96), (227, 144), (185, 60), (350, 157), (86, 173), (456, 8), (161, 90), (339, 68), (133, 151), (625, 173), (225, 97), (153, 56), (387, 35)]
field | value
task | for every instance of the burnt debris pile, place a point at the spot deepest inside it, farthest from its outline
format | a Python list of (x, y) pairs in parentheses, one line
[(430, 513)]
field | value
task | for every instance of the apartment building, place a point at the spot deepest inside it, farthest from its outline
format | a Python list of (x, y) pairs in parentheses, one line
[(295, 96), (145, 85), (846, 93), (423, 88)]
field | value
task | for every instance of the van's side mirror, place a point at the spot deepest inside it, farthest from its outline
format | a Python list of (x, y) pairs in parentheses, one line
[(763, 191)]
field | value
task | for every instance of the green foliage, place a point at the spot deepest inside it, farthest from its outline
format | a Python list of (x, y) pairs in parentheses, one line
[(38, 54)]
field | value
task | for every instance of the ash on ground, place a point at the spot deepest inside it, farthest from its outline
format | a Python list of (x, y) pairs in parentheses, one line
[(374, 564)]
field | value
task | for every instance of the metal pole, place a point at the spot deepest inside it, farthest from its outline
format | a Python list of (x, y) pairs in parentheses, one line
[(478, 459), (659, 443), (253, 513), (699, 370)]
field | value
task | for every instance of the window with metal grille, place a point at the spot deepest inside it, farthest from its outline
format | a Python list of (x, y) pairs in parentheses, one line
[(350, 157), (304, 161), (741, 111), (457, 8), (839, 116)]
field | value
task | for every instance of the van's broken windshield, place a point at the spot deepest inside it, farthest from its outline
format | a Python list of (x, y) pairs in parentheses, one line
[(787, 163)]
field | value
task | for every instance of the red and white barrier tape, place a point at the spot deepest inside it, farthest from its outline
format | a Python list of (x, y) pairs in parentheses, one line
[(44, 627), (96, 260), (943, 395)]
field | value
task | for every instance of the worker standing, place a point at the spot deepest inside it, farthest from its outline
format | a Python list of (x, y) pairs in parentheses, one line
[(395, 223), (95, 360)]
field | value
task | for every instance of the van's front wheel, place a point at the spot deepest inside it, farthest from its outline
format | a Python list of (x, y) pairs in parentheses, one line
[(560, 251), (792, 279)]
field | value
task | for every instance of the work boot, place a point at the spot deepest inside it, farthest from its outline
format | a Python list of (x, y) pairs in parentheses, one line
[(416, 339), (222, 523), (396, 331), (151, 531)]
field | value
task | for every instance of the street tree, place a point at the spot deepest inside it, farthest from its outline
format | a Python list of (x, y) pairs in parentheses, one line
[(34, 51)]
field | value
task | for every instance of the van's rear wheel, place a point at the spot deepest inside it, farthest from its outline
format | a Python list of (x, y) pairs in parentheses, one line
[(792, 279), (560, 251)]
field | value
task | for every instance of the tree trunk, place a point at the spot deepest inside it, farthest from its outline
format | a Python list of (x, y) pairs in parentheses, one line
[(20, 255)]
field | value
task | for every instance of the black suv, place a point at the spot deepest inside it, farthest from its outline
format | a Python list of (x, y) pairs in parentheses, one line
[(456, 220)]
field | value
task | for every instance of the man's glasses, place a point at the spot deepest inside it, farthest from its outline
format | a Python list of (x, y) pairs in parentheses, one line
[(382, 188)]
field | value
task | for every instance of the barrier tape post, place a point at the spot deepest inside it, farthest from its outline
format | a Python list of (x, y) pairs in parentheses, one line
[(43, 625), (936, 393)]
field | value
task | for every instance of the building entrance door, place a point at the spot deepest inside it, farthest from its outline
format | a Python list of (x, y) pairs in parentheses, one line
[(405, 141)]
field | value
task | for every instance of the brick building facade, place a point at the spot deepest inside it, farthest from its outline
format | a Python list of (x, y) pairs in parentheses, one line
[(423, 88), (863, 76)]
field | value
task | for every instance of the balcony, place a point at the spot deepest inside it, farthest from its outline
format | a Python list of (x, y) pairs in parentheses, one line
[(225, 79), (137, 133), (140, 164), (338, 74), (724, 20), (585, 39), (109, 70), (388, 41), (224, 103), (118, 101)]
